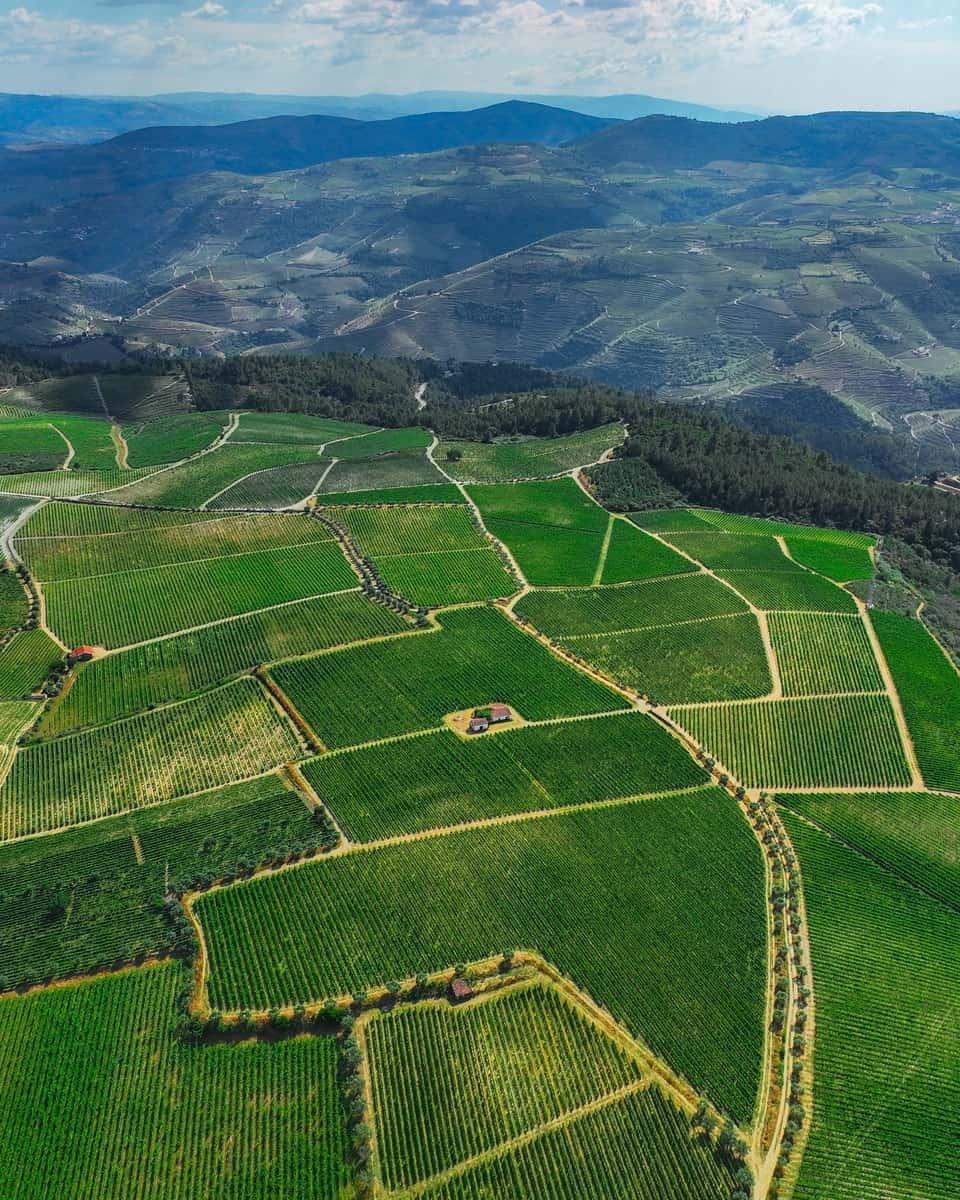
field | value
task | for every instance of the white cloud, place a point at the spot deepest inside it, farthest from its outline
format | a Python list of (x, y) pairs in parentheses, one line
[(209, 9)]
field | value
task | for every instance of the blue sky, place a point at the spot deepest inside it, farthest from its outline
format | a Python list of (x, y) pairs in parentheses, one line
[(774, 55)]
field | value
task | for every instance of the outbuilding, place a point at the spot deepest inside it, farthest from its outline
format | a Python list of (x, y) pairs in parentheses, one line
[(460, 990), (478, 725), (83, 653), (500, 712)]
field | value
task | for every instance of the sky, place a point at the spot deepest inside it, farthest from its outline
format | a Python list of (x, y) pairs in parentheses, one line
[(766, 55)]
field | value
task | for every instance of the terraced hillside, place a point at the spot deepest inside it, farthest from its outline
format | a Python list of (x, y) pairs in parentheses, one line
[(417, 838)]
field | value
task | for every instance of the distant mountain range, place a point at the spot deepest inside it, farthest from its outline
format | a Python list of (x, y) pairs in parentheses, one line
[(66, 120)]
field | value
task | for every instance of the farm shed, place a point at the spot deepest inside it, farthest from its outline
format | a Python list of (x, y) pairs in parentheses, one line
[(83, 653), (460, 990), (478, 725), (500, 712)]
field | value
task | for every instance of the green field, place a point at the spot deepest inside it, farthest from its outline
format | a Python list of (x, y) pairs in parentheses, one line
[(915, 835), (176, 667), (886, 1103), (80, 518), (295, 428), (721, 658), (790, 591), (631, 554), (733, 551), (687, 915), (842, 742), (429, 555), (636, 1149), (25, 662), (32, 444), (398, 469), (481, 1075), (929, 690), (72, 557), (820, 653), (527, 458), (441, 779), (411, 683), (178, 436), (222, 736), (94, 896), (380, 442), (274, 488), (564, 614), (65, 484), (836, 561), (198, 481), (135, 605), (735, 523), (431, 493), (100, 1102), (554, 531)]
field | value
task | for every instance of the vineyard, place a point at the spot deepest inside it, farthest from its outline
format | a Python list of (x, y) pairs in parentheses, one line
[(915, 835), (389, 837), (174, 668), (847, 741), (527, 458), (439, 779), (482, 1075), (220, 737), (687, 914), (930, 691), (886, 1116), (638, 1148), (129, 1113), (820, 653), (411, 683), (94, 896), (133, 606), (720, 658)]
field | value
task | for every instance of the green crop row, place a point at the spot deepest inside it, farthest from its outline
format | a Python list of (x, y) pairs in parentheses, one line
[(222, 736), (667, 931)]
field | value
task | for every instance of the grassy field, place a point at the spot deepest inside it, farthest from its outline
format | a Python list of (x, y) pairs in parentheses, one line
[(440, 779), (733, 551), (94, 896), (133, 606), (886, 1105), (686, 914), (31, 444), (915, 835), (844, 742), (821, 653), (636, 1149), (176, 667), (527, 458), (564, 614), (382, 441), (481, 1075), (25, 662), (129, 1113), (411, 683), (717, 659), (220, 737), (929, 690)]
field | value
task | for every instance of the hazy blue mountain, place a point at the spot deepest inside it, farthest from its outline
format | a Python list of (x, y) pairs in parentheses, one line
[(78, 120), (853, 141), (147, 156)]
